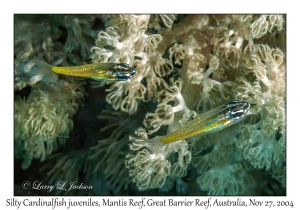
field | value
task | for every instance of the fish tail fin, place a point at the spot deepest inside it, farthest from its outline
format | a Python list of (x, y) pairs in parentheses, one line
[(44, 68), (156, 144), (41, 63)]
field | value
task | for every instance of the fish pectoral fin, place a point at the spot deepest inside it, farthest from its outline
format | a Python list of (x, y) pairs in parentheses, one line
[(80, 78), (98, 84), (98, 78)]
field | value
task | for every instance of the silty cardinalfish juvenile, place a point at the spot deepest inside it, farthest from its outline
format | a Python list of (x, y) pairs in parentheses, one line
[(211, 121)]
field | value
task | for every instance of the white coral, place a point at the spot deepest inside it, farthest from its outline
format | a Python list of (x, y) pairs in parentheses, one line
[(150, 169)]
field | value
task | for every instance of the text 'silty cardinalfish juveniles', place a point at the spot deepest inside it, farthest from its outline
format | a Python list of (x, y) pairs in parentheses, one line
[(209, 122), (98, 71)]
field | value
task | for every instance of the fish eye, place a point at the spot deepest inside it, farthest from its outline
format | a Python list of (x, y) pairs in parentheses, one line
[(123, 72)]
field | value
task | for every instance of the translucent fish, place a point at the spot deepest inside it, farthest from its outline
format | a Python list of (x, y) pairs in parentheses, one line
[(98, 71), (209, 122)]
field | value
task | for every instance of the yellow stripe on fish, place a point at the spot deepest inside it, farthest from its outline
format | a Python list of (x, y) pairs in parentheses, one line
[(98, 71), (209, 122)]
